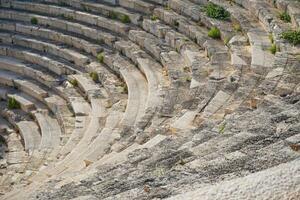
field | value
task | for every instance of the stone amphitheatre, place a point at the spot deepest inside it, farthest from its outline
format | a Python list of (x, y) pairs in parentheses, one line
[(149, 99)]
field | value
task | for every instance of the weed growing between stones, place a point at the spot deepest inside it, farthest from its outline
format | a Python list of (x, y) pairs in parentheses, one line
[(34, 20), (292, 37), (217, 12), (13, 103), (100, 57), (73, 82), (94, 76), (215, 33), (284, 16)]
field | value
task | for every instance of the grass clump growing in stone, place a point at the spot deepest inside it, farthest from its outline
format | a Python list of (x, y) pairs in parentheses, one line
[(13, 103), (100, 57), (222, 128), (215, 33), (73, 82), (237, 28), (273, 48), (154, 18), (291, 36), (284, 16), (34, 20), (94, 76), (271, 38), (112, 15), (125, 19), (217, 12)]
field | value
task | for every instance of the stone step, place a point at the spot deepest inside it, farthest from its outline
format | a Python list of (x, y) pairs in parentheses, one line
[(91, 131), (51, 34), (70, 14), (50, 131), (30, 134), (73, 27), (36, 58), (136, 85), (109, 11), (27, 86), (22, 68), (46, 47), (26, 104), (90, 88)]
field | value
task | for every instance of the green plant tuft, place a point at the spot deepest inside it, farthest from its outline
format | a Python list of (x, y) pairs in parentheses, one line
[(284, 16), (34, 20), (291, 36), (217, 12), (222, 128), (273, 48), (112, 15), (73, 82), (154, 18), (94, 76), (100, 57), (13, 103), (215, 33), (125, 19), (271, 38), (237, 28)]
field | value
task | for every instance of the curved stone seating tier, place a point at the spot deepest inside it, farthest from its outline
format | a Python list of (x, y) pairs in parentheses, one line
[(46, 47), (91, 131), (104, 9), (11, 79), (153, 72), (170, 59), (109, 80), (76, 28), (30, 134), (36, 58), (70, 14), (89, 88), (136, 86), (50, 130), (29, 70), (50, 34), (192, 54), (25, 103)]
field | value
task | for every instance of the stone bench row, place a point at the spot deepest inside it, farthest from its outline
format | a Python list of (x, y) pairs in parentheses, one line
[(89, 88), (28, 55), (46, 47), (69, 14), (109, 80), (194, 32), (193, 55), (27, 129), (17, 81), (136, 86), (60, 24), (107, 10), (54, 35), (55, 103), (163, 53), (93, 128), (29, 70)]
